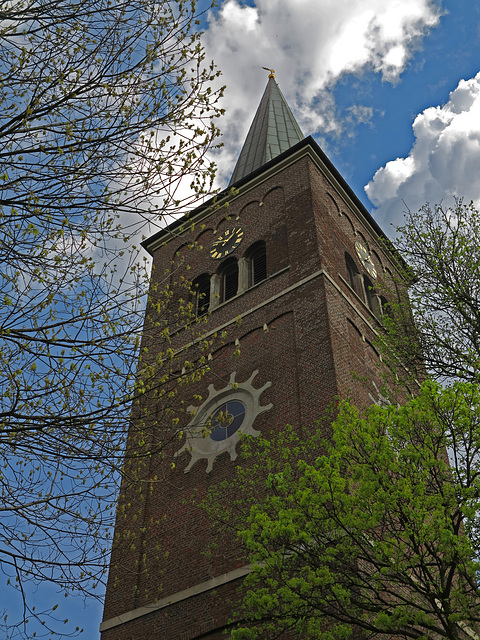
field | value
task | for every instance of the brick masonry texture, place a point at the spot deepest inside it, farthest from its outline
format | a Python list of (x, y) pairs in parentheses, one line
[(313, 343)]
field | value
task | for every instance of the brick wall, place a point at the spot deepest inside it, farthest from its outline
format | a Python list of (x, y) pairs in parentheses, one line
[(306, 332)]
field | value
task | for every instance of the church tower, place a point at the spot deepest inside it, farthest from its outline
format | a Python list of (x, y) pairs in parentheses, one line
[(287, 273)]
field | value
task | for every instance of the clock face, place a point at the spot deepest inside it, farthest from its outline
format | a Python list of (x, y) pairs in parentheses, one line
[(365, 259), (226, 243)]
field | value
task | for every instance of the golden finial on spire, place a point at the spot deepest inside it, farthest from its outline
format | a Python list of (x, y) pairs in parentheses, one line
[(272, 72)]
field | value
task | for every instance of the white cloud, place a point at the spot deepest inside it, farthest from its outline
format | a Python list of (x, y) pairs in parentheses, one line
[(310, 44), (443, 162), (361, 113)]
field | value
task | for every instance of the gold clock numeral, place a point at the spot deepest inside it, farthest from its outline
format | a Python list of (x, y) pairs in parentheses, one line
[(370, 267)]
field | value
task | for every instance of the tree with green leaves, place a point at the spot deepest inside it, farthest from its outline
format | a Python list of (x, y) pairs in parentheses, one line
[(107, 108), (376, 535), (440, 245)]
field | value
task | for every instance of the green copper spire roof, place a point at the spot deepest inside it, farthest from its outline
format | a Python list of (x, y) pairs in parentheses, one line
[(273, 131)]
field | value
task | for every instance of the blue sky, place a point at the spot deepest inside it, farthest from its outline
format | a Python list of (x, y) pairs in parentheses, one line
[(357, 76), (388, 89)]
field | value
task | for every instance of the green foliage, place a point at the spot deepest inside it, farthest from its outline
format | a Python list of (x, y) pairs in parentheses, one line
[(372, 531), (441, 248), (105, 108)]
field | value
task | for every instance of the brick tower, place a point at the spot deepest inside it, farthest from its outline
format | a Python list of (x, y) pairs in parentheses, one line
[(289, 287)]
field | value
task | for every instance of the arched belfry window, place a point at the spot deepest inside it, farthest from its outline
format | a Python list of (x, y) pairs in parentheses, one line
[(257, 258), (385, 308), (201, 291), (363, 287), (372, 300), (354, 277), (229, 279)]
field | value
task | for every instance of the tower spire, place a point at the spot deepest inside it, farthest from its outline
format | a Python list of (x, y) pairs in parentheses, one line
[(273, 131)]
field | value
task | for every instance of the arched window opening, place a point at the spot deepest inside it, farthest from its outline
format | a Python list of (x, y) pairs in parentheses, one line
[(372, 298), (385, 308), (201, 290), (258, 264), (354, 277), (229, 275)]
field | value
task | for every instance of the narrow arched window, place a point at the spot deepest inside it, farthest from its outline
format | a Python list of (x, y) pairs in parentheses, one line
[(257, 257), (201, 291), (385, 308), (229, 279), (354, 277), (372, 298)]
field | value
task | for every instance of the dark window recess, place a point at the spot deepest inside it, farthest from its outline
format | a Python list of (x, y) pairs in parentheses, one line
[(351, 278), (385, 308), (201, 291), (259, 266), (230, 281), (353, 275), (203, 298), (372, 300), (368, 292)]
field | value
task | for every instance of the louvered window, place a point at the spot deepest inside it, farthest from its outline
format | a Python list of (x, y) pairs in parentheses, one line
[(230, 281), (353, 275), (259, 265), (201, 290), (372, 300)]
